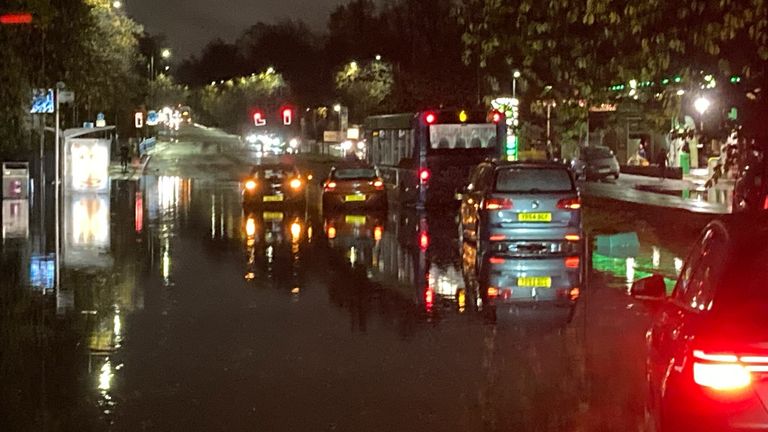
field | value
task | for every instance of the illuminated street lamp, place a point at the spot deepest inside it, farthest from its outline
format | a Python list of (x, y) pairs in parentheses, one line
[(165, 53), (701, 105), (337, 107), (515, 76), (117, 4)]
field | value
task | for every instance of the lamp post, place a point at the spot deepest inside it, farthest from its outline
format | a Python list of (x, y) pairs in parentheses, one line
[(515, 76), (165, 54), (701, 105)]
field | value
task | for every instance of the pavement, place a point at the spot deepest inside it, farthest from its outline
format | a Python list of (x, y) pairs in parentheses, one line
[(183, 313), (688, 194)]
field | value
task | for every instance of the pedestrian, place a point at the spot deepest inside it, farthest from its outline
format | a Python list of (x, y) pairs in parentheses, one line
[(124, 153), (661, 161)]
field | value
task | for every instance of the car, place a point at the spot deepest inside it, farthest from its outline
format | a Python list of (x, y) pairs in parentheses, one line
[(750, 191), (274, 185), (522, 209), (595, 163), (707, 364), (354, 185)]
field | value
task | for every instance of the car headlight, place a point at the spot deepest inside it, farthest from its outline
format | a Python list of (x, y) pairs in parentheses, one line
[(250, 185), (295, 184)]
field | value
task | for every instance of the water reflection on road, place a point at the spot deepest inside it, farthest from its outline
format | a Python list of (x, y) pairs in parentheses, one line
[(177, 311)]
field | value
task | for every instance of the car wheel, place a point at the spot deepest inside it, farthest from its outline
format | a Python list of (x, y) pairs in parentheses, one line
[(616, 176)]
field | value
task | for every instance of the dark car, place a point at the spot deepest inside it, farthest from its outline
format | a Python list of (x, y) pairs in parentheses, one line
[(274, 185), (522, 209), (595, 163), (751, 189), (354, 185), (708, 344)]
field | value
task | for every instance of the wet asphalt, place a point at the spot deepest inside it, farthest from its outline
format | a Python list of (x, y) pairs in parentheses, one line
[(178, 311)]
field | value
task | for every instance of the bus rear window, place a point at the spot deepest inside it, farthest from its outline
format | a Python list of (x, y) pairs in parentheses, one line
[(462, 136), (524, 180)]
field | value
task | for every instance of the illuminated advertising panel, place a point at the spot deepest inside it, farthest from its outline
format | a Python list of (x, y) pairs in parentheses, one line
[(15, 218), (87, 236), (87, 165)]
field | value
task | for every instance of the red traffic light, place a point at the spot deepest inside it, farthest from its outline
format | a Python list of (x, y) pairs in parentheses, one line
[(16, 18), (430, 118), (496, 116), (287, 116), (424, 175), (258, 118)]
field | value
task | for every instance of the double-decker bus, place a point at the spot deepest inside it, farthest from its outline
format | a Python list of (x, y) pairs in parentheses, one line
[(425, 157)]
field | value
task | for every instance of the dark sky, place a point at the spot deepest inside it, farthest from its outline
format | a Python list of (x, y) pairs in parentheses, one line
[(190, 24)]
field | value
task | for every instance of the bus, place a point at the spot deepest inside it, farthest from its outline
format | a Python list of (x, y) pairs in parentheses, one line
[(425, 157)]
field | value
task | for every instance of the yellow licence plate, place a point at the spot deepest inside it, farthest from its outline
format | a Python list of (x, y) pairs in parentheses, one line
[(535, 281), (355, 219), (272, 216), (354, 198), (534, 217), (272, 198)]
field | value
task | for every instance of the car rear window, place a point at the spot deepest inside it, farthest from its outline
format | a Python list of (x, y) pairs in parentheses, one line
[(597, 153), (274, 172), (354, 173), (533, 180)]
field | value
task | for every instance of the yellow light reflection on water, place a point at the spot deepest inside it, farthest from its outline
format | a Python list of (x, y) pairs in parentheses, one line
[(250, 227), (295, 231), (105, 376)]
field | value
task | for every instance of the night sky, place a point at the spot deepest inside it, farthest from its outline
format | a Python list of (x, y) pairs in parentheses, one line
[(190, 24)]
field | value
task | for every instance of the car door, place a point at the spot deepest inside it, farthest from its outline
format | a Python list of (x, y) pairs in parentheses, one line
[(678, 318)]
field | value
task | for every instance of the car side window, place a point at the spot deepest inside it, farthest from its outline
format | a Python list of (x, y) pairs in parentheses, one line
[(697, 279), (703, 281), (484, 178)]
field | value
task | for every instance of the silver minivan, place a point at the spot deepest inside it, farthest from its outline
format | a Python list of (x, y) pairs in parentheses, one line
[(522, 209)]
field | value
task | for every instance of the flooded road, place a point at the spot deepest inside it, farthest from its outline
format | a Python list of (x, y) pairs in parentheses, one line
[(177, 311)]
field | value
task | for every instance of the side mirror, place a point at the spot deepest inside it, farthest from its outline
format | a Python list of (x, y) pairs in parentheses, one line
[(650, 288)]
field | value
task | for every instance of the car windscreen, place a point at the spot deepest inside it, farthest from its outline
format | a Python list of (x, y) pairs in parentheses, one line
[(354, 173), (462, 136), (533, 180), (597, 153)]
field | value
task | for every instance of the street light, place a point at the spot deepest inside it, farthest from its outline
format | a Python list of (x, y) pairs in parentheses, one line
[(165, 53), (701, 105), (337, 107), (515, 76), (117, 4)]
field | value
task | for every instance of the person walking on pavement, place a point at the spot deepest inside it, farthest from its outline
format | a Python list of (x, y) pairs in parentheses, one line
[(661, 161), (124, 157)]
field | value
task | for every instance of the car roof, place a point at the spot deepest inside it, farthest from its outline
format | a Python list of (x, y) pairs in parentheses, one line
[(529, 164)]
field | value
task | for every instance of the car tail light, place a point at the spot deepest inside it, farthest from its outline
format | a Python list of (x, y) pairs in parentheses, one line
[(378, 184), (295, 183), (430, 118), (497, 204), (429, 296), (331, 232), (569, 204), (331, 185), (493, 292), (250, 185), (572, 262), (424, 175), (377, 232), (724, 371), (573, 237), (574, 293), (765, 203), (497, 237), (496, 260)]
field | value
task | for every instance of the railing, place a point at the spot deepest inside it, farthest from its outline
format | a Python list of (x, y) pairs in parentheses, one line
[(147, 145)]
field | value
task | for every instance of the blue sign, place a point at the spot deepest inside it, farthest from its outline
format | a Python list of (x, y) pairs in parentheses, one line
[(88, 125), (100, 116), (42, 271), (42, 101), (152, 118)]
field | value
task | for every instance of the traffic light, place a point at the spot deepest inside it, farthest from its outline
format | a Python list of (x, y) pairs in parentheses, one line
[(258, 119), (287, 116)]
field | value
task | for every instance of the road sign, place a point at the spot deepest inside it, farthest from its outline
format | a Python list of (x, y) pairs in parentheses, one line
[(138, 120), (100, 120), (66, 96), (42, 101), (152, 118)]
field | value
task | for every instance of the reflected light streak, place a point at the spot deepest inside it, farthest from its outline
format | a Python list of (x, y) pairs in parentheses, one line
[(295, 232), (678, 265), (630, 270), (105, 376), (656, 257), (250, 227)]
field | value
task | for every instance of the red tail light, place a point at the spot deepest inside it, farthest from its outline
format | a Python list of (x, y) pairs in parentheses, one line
[(498, 204), (429, 297), (424, 175), (725, 371), (496, 260), (331, 185), (496, 116), (424, 241), (569, 204), (765, 204), (493, 292), (378, 184), (497, 237), (572, 262)]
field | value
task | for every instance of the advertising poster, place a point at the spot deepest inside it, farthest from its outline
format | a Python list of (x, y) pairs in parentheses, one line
[(87, 168)]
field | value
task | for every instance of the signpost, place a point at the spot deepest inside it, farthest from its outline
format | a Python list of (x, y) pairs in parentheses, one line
[(100, 120), (152, 118)]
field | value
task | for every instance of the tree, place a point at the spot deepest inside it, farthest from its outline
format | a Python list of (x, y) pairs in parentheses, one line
[(365, 89), (163, 91), (218, 61)]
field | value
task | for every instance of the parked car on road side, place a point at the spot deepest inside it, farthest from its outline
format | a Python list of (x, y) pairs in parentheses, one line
[(595, 163)]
